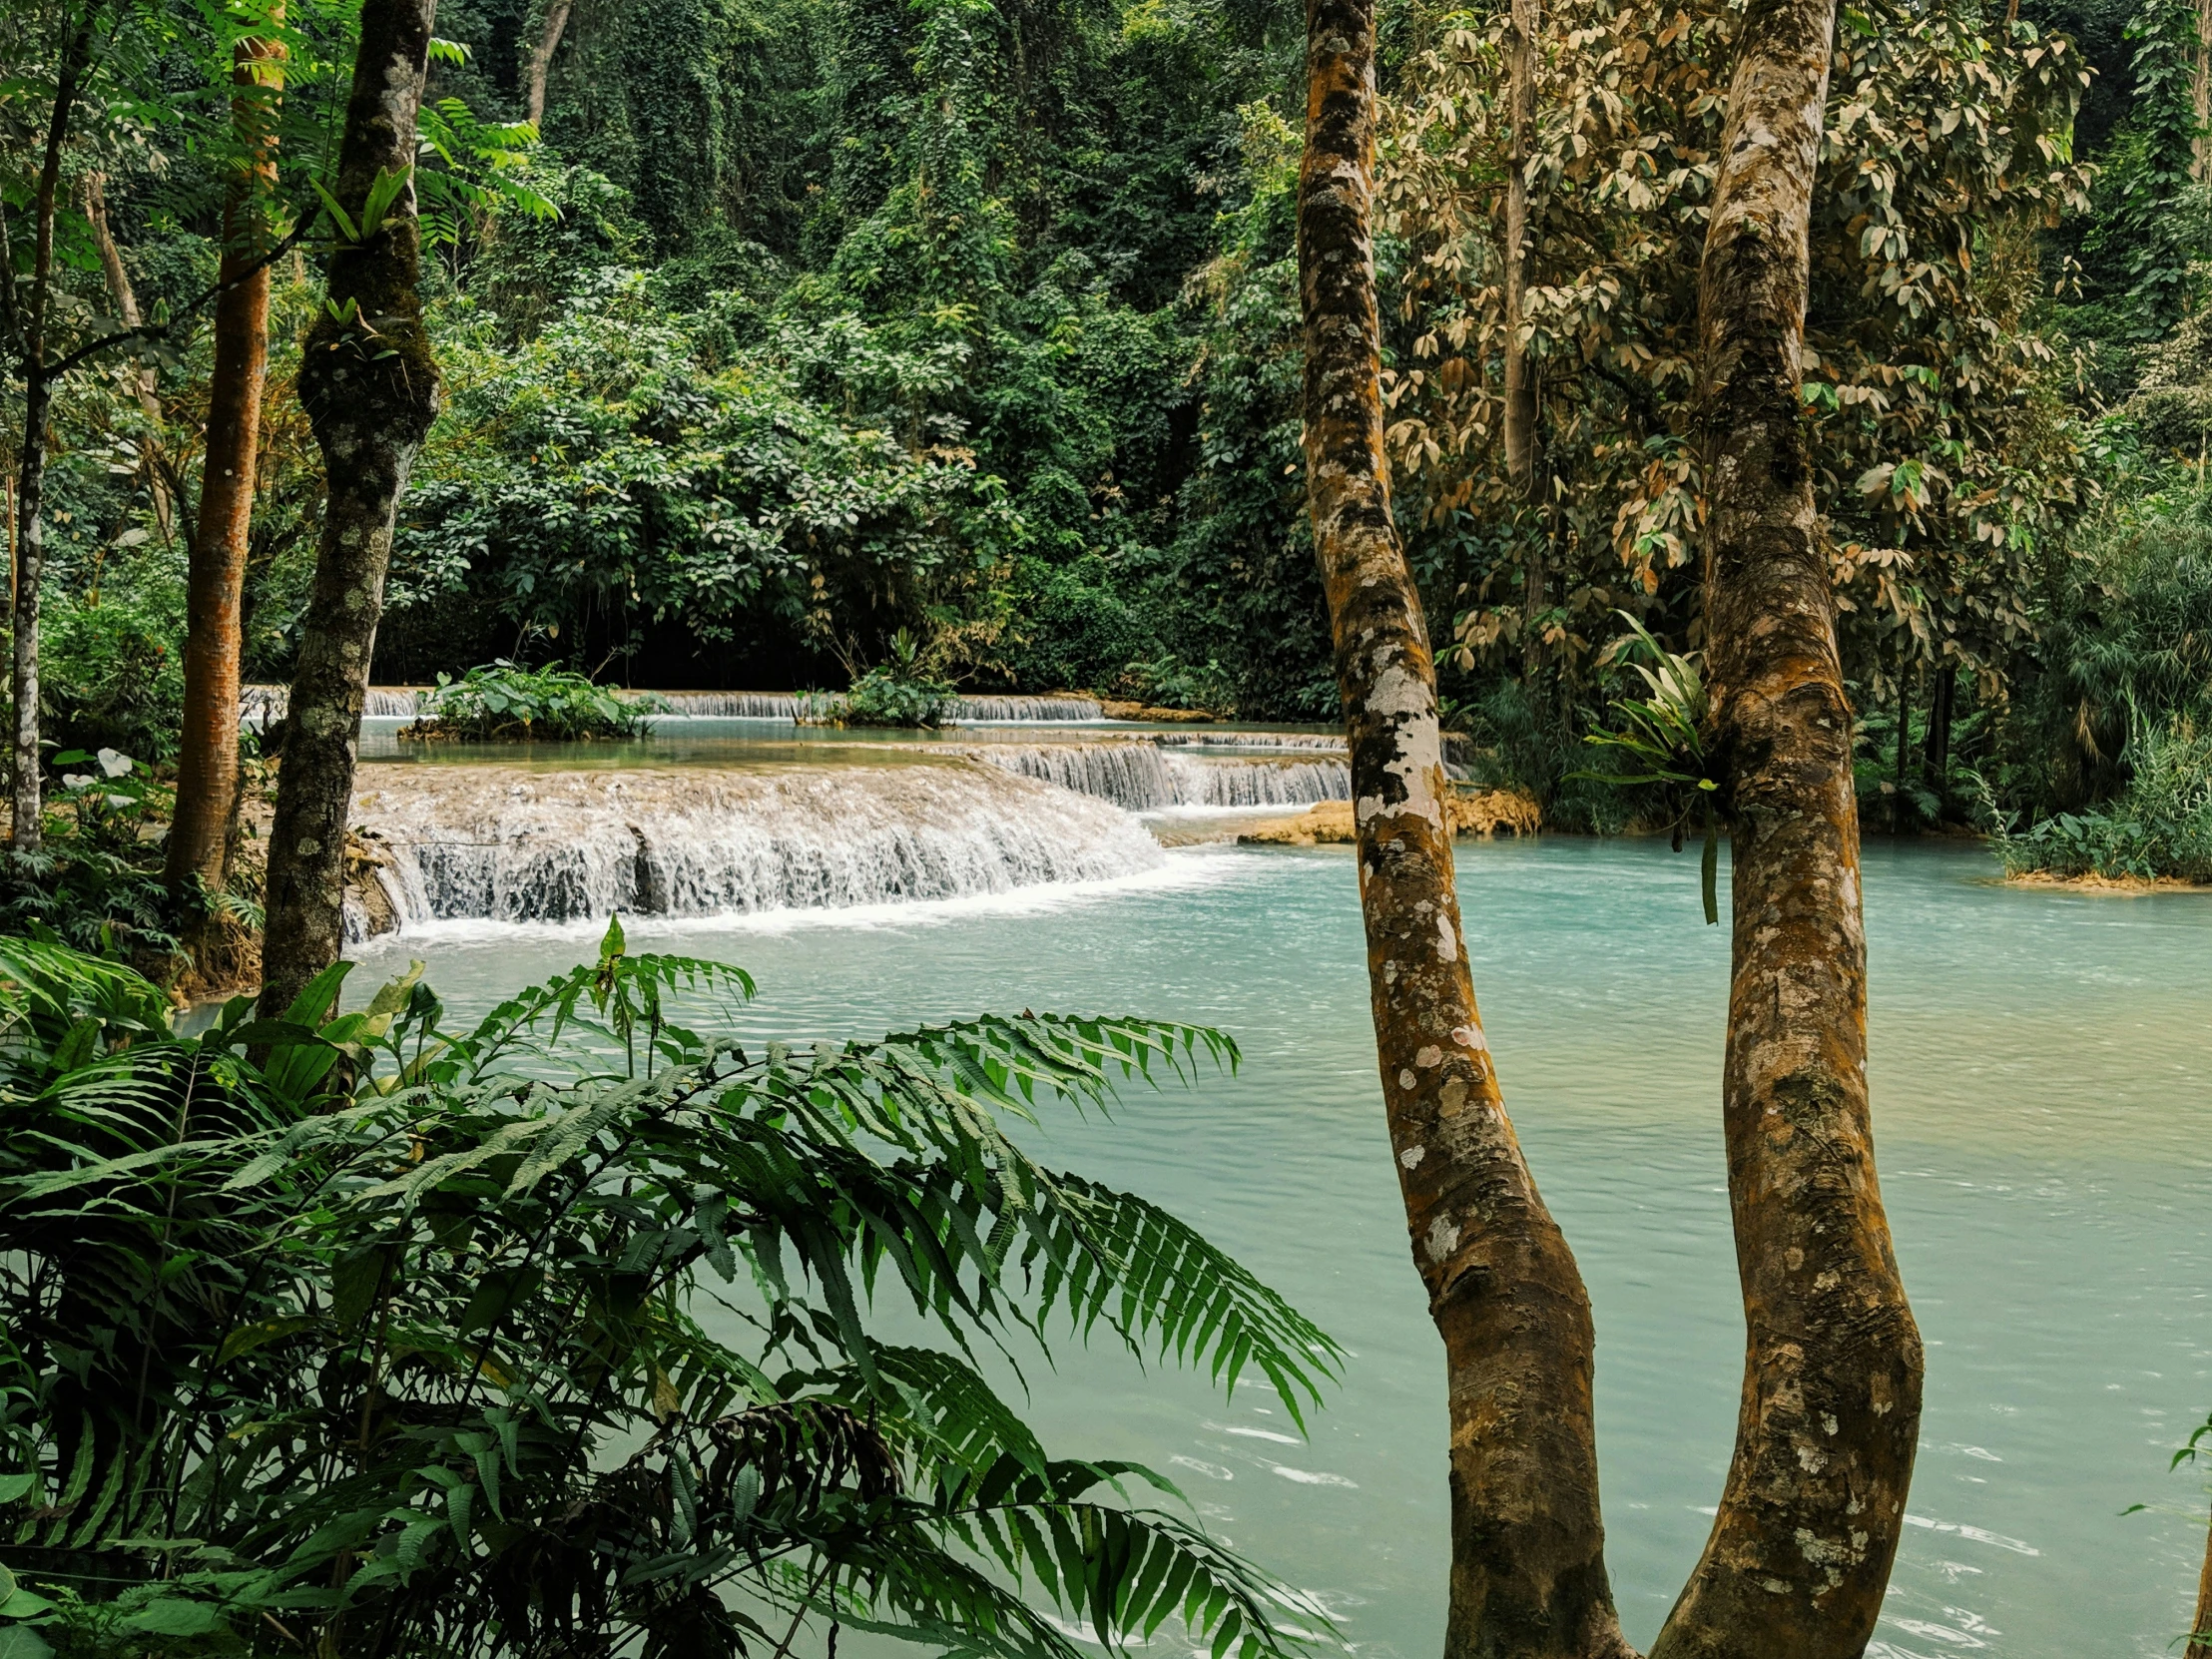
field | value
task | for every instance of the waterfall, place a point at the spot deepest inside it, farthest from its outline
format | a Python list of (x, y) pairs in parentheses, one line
[(1141, 777), (512, 844), (1024, 710), (261, 704), (1327, 742), (733, 704)]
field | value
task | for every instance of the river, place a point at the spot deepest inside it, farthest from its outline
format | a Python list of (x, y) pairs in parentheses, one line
[(2040, 1072)]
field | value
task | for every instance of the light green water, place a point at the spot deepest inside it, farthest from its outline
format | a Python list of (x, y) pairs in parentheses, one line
[(2040, 1070)]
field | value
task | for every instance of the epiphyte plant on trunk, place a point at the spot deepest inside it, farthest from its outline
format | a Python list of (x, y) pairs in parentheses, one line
[(1808, 1524)]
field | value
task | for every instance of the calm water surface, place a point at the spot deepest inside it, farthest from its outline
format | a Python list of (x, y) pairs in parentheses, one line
[(2039, 1067)]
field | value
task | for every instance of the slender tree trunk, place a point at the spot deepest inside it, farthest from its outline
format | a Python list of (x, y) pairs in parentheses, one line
[(208, 758), (145, 378), (541, 57), (2201, 97), (1521, 379), (1529, 1571), (1904, 750), (27, 829), (1936, 746), (1800, 1553), (371, 389)]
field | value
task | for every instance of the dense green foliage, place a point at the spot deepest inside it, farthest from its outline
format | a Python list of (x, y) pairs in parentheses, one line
[(554, 1332), (811, 324)]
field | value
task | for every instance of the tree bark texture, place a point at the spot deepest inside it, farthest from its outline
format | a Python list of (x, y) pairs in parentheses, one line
[(2201, 97), (371, 389), (26, 801), (541, 57), (1799, 1552), (146, 380), (1528, 1572), (208, 755)]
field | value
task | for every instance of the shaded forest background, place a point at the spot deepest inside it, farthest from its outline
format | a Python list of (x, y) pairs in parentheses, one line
[(975, 324)]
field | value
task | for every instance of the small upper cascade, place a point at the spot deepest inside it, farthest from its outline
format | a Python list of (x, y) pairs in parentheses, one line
[(1142, 776), (508, 844), (1024, 710), (733, 705), (1328, 742), (258, 704)]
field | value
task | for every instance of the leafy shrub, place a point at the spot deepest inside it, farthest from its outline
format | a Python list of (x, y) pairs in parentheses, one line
[(1170, 683), (1075, 629), (113, 677), (897, 693), (503, 702), (97, 883), (551, 1333), (2160, 825), (885, 697)]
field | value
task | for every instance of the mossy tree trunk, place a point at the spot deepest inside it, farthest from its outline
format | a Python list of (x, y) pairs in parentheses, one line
[(1528, 1572), (208, 754), (1800, 1553), (371, 389)]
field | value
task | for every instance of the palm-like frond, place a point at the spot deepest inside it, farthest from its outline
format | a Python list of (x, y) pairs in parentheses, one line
[(376, 1315)]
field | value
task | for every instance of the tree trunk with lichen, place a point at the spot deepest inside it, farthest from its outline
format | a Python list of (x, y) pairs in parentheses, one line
[(1800, 1553), (1528, 1572), (371, 389), (208, 753), (2201, 97), (27, 320)]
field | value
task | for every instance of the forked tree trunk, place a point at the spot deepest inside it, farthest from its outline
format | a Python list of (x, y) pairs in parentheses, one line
[(371, 389), (1528, 1572), (207, 757), (26, 801), (541, 57), (1800, 1553), (145, 378)]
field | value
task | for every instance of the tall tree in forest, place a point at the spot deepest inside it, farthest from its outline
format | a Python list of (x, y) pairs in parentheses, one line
[(371, 389), (147, 380), (1528, 1563), (208, 754), (1808, 1524), (26, 320), (550, 29)]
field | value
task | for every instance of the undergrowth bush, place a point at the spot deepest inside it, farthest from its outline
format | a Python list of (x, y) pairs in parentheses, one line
[(2160, 825), (503, 702), (552, 1334)]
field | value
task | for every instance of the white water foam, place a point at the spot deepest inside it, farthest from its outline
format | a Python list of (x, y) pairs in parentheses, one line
[(1140, 777), (509, 845)]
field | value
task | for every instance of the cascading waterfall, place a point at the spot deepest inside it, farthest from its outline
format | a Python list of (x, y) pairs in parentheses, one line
[(261, 704), (1024, 710), (1143, 778), (512, 844)]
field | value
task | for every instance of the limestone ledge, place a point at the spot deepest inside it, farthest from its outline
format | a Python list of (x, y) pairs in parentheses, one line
[(1474, 812)]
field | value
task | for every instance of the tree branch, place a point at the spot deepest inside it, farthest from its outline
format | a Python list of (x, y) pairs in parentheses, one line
[(160, 331)]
